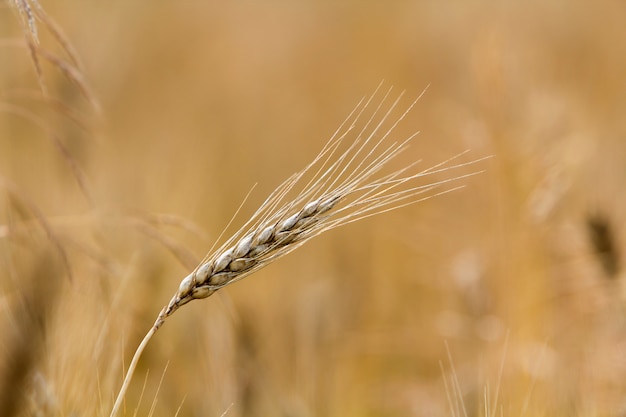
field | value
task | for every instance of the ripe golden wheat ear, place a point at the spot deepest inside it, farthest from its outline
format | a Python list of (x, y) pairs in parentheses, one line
[(343, 184)]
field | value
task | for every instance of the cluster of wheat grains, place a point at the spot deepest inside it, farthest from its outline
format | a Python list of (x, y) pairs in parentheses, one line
[(345, 183)]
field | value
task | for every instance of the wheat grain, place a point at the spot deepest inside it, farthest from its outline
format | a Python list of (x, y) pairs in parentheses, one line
[(343, 184)]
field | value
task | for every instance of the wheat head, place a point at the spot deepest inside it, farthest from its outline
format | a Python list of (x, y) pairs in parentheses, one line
[(342, 188), (343, 184)]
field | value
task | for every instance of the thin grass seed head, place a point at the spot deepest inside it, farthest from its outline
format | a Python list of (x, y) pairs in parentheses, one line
[(341, 185)]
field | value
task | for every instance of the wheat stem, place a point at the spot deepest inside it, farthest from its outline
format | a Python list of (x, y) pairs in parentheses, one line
[(133, 363)]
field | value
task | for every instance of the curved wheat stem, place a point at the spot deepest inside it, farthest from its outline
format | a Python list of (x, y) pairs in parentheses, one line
[(341, 185)]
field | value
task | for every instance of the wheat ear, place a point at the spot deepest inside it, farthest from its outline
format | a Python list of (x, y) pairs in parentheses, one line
[(341, 185)]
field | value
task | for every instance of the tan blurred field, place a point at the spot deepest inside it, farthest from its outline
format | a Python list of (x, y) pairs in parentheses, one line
[(112, 190)]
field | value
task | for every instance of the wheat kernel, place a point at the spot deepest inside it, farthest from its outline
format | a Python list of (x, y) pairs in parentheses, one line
[(240, 264), (222, 262)]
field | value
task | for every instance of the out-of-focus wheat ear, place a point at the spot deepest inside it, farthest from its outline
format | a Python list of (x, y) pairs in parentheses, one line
[(27, 15), (31, 35), (30, 12)]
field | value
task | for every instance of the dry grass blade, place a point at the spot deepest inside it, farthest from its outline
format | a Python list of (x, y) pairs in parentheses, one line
[(343, 184)]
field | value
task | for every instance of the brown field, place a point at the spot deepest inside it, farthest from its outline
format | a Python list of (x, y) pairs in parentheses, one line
[(150, 121)]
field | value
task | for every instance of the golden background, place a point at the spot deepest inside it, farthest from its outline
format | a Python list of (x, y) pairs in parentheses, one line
[(126, 172)]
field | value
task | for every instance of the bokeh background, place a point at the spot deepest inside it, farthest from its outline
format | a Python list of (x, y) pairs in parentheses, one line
[(503, 298)]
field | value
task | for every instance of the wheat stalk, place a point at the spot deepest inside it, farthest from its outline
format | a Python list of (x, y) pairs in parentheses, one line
[(341, 185)]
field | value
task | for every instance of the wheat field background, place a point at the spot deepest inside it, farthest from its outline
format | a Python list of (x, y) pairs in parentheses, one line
[(504, 298)]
